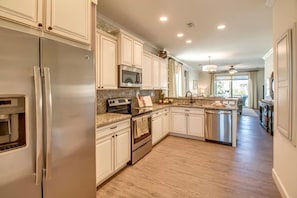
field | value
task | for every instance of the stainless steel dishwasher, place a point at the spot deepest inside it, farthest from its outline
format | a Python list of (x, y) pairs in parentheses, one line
[(218, 126)]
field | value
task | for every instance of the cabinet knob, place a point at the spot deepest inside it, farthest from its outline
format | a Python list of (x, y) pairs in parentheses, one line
[(49, 28), (39, 24)]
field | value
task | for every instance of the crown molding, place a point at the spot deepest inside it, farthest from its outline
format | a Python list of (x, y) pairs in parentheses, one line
[(269, 53)]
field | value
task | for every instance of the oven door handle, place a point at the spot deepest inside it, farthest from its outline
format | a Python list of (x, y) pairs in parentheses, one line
[(141, 117)]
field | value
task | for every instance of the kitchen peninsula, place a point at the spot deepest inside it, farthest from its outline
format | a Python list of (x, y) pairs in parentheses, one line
[(183, 104)]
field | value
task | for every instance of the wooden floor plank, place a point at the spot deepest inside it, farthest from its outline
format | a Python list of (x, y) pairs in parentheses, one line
[(179, 167)]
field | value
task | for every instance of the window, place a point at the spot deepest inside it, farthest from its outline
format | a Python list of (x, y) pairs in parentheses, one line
[(232, 86)]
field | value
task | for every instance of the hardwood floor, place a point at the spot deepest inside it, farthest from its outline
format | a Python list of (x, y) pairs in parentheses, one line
[(179, 167)]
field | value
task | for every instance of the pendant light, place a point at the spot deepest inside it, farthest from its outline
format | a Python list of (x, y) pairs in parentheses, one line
[(232, 70), (209, 67)]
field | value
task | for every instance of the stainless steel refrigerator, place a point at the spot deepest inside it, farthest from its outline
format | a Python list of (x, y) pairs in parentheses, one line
[(49, 151)]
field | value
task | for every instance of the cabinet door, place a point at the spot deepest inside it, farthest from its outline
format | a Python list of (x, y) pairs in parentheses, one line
[(104, 158), (156, 129), (137, 54), (98, 69), (196, 125), (165, 123), (122, 148), (147, 72), (70, 19), (156, 73), (163, 74), (179, 123), (28, 13), (108, 65), (126, 50)]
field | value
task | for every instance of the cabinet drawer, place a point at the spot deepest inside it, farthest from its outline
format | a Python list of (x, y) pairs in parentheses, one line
[(187, 110), (157, 113), (112, 128)]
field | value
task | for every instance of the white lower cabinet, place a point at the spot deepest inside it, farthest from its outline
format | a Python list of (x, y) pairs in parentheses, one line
[(179, 123), (156, 129), (113, 143), (187, 121), (165, 122), (160, 125), (196, 125), (122, 148), (104, 158)]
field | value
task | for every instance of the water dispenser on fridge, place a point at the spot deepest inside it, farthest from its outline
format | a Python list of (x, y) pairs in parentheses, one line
[(12, 123)]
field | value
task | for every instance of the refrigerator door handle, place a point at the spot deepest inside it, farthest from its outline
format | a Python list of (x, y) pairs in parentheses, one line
[(48, 122), (39, 138)]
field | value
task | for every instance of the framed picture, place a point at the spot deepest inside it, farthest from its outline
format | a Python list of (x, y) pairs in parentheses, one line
[(283, 52), (195, 84)]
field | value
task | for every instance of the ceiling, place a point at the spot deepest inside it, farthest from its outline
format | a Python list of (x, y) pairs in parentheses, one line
[(245, 40)]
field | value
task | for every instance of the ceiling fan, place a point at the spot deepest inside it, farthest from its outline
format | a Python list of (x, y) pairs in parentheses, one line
[(232, 70)]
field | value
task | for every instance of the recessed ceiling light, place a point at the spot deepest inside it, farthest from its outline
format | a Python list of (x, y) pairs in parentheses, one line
[(180, 35), (220, 27), (188, 41), (163, 18)]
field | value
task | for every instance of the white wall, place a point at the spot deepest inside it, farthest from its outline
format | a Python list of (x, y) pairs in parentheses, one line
[(267, 72), (284, 153)]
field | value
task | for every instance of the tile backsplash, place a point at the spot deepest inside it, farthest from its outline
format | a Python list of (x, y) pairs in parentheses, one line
[(103, 95)]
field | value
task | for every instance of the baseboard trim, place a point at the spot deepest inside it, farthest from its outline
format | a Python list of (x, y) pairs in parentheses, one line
[(279, 184)]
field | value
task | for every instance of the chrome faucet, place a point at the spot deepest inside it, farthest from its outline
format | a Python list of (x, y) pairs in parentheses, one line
[(191, 100)]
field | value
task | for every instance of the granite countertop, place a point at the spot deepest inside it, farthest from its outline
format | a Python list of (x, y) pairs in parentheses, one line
[(110, 118), (156, 106)]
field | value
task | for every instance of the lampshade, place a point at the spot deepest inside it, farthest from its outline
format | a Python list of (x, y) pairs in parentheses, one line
[(209, 67), (232, 70)]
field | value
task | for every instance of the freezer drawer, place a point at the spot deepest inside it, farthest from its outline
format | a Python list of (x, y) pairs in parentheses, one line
[(218, 126)]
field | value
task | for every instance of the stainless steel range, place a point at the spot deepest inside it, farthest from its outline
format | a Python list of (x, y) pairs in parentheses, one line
[(141, 126)]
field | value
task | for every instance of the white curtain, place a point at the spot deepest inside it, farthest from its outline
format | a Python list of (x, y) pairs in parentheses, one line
[(211, 89), (253, 93), (176, 78)]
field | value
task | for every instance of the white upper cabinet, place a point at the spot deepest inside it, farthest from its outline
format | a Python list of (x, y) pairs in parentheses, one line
[(137, 54), (130, 50), (164, 74), (126, 50), (147, 71), (106, 64), (26, 13), (156, 73), (68, 19)]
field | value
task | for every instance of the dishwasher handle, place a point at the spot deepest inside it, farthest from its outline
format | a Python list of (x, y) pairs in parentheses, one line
[(218, 112)]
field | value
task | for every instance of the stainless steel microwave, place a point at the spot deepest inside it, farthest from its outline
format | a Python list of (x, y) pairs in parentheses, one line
[(130, 76)]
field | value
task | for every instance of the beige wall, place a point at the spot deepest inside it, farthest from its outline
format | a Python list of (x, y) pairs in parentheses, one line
[(193, 75), (260, 83), (284, 153), (204, 82)]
